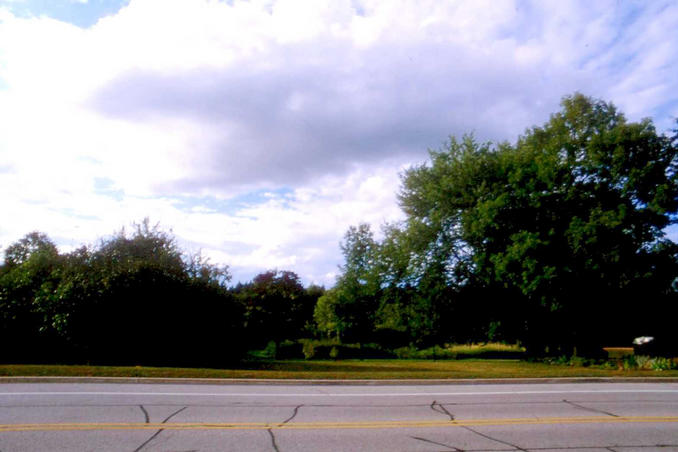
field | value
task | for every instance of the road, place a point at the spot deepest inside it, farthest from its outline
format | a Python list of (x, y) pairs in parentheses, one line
[(148, 417)]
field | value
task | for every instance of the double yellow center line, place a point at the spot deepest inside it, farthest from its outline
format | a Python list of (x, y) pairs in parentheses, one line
[(332, 425)]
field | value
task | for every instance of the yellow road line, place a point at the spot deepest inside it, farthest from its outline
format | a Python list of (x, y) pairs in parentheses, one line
[(332, 425)]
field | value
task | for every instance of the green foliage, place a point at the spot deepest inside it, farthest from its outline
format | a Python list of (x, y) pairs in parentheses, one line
[(28, 271), (115, 302), (348, 310), (549, 241), (276, 306), (660, 363), (325, 316), (642, 362), (435, 352), (332, 349), (463, 351), (308, 350), (289, 349), (270, 351), (575, 361)]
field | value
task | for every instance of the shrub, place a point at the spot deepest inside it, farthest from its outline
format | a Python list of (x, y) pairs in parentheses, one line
[(270, 350), (290, 350), (308, 349), (390, 338), (643, 362), (435, 352), (578, 361), (405, 352), (662, 364)]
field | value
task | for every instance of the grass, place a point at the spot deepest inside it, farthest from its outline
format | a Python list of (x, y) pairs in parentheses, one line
[(347, 369), (478, 349)]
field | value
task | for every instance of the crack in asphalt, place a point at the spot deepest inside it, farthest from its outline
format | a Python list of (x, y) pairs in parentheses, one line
[(442, 409), (270, 431), (594, 410), (437, 443), (273, 443), (159, 431), (145, 413), (493, 439), (294, 414)]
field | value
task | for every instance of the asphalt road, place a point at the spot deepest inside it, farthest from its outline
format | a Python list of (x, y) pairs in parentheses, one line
[(534, 417)]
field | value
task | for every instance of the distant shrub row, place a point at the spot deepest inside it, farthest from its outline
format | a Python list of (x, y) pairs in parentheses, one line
[(332, 349)]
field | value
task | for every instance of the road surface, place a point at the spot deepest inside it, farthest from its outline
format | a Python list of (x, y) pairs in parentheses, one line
[(528, 417)]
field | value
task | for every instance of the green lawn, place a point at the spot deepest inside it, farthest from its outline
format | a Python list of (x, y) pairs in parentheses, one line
[(347, 369)]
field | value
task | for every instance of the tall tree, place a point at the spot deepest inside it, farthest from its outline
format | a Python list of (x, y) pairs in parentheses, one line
[(28, 270), (348, 309), (568, 224)]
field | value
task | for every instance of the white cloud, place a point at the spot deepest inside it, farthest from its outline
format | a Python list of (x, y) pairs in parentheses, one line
[(201, 99)]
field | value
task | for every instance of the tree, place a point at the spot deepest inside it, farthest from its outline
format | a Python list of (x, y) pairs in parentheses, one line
[(115, 302), (28, 269), (348, 310), (32, 244), (567, 224), (276, 306)]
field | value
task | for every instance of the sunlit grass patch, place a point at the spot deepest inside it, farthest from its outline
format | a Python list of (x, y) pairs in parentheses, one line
[(347, 369), (478, 349)]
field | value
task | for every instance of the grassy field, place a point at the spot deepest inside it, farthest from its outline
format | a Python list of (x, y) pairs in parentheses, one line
[(348, 369)]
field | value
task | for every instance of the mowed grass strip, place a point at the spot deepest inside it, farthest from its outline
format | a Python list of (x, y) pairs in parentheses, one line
[(346, 369)]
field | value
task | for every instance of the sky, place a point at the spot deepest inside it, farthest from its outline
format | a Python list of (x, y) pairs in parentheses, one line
[(259, 131)]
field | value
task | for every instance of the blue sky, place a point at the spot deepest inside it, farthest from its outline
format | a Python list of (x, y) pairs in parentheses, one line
[(259, 131), (83, 13)]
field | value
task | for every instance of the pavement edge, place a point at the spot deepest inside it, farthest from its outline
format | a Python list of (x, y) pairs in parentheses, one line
[(292, 382)]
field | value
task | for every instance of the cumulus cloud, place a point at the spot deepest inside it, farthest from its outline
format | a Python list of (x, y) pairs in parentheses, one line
[(360, 83), (176, 109)]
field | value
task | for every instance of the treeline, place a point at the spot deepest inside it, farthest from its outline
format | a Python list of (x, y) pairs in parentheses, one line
[(136, 298), (557, 242)]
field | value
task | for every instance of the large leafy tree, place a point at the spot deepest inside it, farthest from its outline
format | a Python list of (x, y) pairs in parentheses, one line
[(276, 306), (28, 269), (562, 231), (133, 299)]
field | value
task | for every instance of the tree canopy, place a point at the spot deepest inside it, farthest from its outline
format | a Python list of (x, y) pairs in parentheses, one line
[(552, 240), (134, 299)]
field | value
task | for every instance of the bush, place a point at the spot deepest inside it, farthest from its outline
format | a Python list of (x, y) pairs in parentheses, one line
[(489, 350), (332, 349), (574, 361), (643, 362), (290, 350), (390, 338), (435, 352), (308, 349), (662, 364), (465, 351)]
